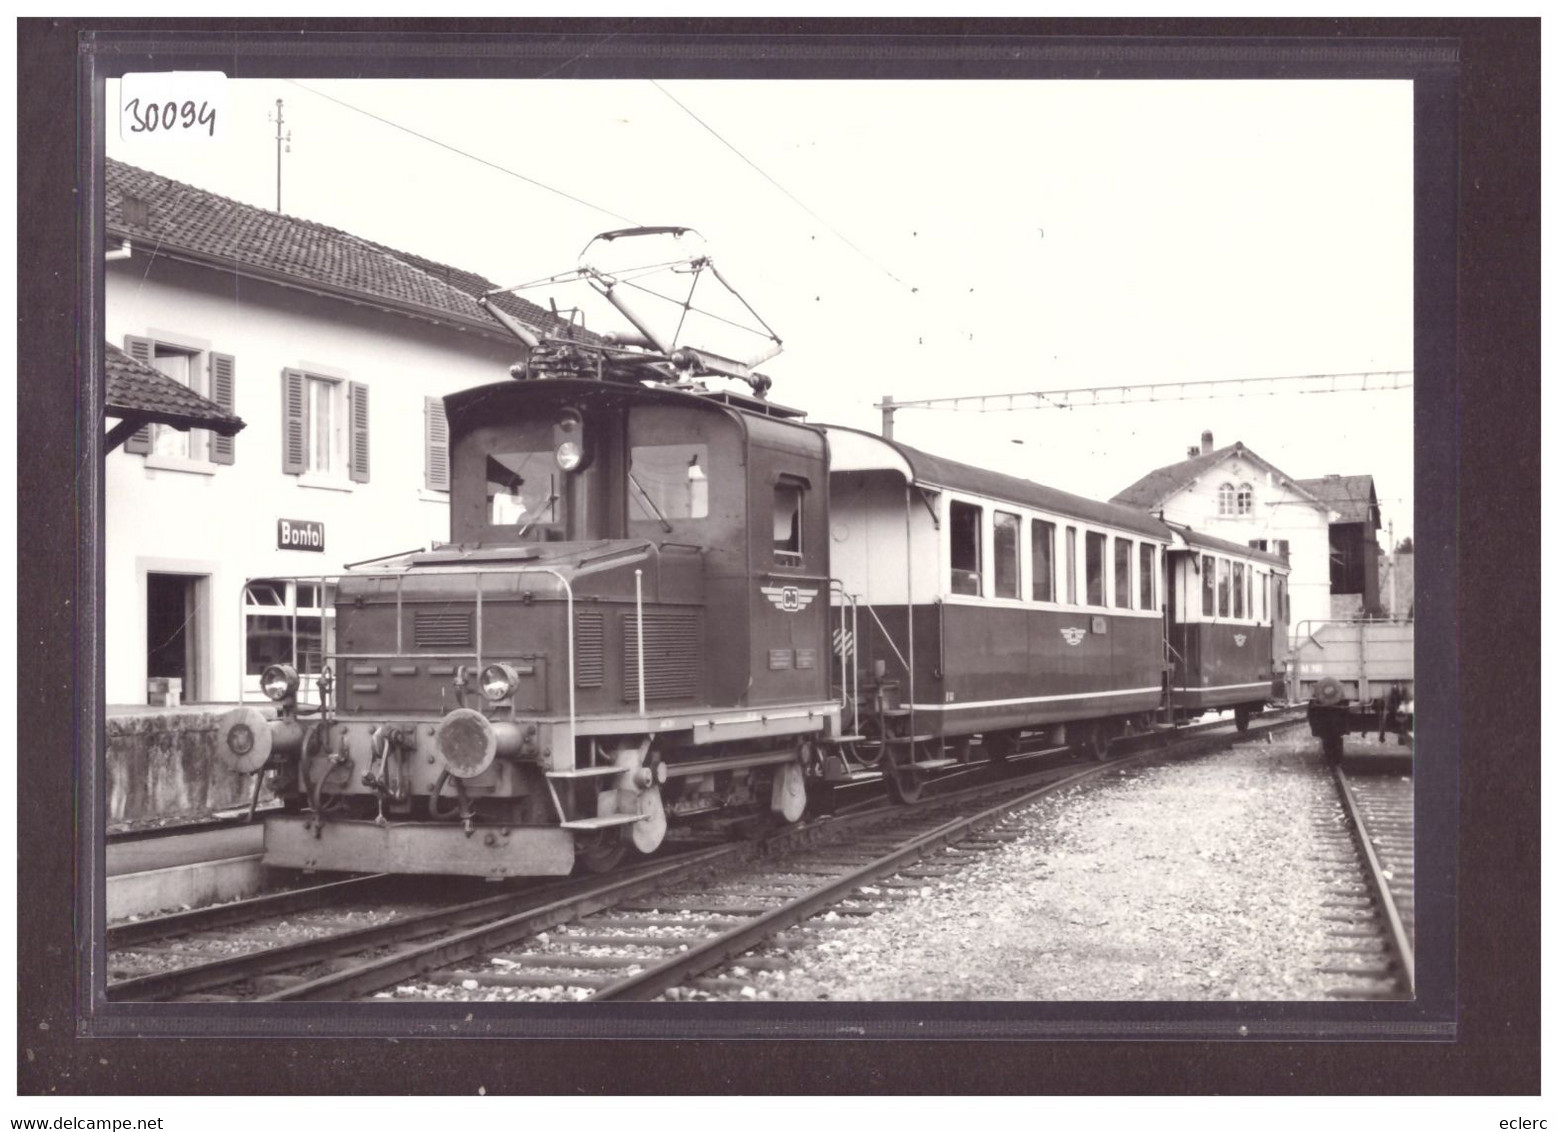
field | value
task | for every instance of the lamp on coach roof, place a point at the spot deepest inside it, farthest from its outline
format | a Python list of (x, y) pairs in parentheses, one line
[(569, 443)]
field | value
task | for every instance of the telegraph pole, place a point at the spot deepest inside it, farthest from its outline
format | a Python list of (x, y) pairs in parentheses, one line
[(280, 121)]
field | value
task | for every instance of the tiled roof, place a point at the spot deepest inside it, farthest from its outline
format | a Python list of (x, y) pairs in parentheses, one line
[(1351, 497), (1158, 485), (138, 390), (173, 216)]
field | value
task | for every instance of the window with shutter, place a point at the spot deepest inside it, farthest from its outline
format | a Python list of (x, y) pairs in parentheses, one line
[(358, 394), (223, 376), (436, 444), (141, 349), (294, 423), (208, 374)]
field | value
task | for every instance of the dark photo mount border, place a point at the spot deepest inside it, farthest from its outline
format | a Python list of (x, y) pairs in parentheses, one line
[(1476, 440)]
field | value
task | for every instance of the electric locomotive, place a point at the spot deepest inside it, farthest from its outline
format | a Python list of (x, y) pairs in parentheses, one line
[(628, 628)]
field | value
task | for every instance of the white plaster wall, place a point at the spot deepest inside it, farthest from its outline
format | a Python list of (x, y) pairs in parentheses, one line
[(1279, 513), (224, 523)]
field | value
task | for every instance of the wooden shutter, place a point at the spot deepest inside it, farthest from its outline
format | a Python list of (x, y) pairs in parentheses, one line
[(358, 395), (294, 423), (223, 372), (436, 443), (142, 350)]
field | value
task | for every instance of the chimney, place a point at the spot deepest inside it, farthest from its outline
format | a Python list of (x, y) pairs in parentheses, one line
[(1206, 442)]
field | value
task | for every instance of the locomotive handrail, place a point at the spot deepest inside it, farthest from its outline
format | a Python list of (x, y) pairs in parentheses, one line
[(328, 581), (849, 638)]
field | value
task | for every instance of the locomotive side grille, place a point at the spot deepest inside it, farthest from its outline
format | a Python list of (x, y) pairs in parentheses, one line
[(442, 630), (589, 650), (673, 656)]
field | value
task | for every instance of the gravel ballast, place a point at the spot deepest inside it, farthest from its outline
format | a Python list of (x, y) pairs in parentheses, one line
[(1197, 880)]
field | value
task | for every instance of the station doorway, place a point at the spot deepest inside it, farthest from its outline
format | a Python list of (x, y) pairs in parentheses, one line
[(174, 631)]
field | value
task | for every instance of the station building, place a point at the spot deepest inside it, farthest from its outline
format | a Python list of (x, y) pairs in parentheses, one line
[(1324, 527), (330, 353)]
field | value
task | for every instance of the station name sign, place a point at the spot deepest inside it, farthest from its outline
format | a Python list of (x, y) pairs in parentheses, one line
[(300, 534)]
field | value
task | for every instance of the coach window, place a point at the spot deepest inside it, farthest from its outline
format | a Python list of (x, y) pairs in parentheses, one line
[(1238, 589), (1224, 590), (787, 522), (963, 526), (1265, 596), (1043, 540), (1122, 572), (1095, 569), (1007, 534), (1208, 586), (1071, 565), (1148, 574)]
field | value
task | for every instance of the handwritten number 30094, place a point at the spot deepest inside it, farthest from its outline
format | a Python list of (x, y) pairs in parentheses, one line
[(170, 115)]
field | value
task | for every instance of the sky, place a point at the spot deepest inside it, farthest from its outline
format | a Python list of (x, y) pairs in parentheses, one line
[(923, 239)]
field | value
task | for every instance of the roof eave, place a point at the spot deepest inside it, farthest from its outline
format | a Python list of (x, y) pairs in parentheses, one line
[(449, 319)]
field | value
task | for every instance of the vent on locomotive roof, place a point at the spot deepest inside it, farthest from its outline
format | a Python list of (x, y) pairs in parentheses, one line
[(672, 656), (442, 629)]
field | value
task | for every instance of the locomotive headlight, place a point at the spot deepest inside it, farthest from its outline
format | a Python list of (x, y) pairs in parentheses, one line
[(569, 455), (498, 682), (279, 681)]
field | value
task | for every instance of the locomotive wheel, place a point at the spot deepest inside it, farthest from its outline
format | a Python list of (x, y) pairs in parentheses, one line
[(599, 851), (1095, 741), (904, 783), (1241, 719)]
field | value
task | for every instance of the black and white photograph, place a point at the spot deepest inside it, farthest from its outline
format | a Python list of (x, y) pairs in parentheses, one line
[(760, 541), (644, 541)]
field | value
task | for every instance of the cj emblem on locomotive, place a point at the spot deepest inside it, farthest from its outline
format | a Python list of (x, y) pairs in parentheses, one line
[(789, 599), (1073, 635), (1239, 639)]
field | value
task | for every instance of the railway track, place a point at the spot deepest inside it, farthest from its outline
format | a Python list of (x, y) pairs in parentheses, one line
[(640, 933), (1367, 855)]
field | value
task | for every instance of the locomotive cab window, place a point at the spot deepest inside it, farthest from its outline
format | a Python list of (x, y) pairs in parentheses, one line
[(965, 519), (525, 492), (1095, 569), (788, 496), (670, 481)]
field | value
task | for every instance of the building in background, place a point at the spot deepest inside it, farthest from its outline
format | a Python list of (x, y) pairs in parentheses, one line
[(1234, 494), (335, 353), (1354, 543)]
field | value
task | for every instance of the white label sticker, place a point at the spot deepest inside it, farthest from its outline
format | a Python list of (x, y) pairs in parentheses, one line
[(173, 106)]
